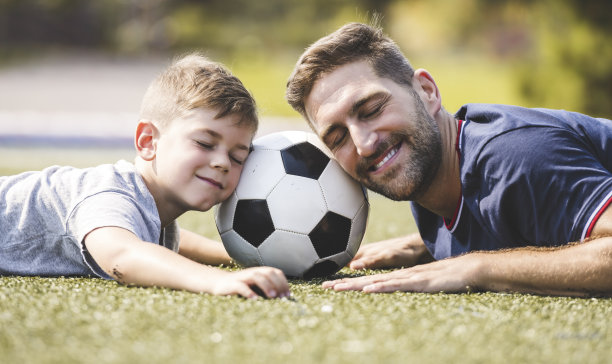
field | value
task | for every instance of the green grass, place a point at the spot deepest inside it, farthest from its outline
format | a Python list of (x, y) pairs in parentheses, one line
[(78, 320)]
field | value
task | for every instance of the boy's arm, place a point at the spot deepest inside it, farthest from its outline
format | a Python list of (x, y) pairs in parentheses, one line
[(129, 260), (201, 249)]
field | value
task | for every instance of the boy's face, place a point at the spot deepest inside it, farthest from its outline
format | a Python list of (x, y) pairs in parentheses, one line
[(199, 159)]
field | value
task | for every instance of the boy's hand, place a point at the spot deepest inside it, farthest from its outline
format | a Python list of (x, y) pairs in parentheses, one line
[(254, 282)]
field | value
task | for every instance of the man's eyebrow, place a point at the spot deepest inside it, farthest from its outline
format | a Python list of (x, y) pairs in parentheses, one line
[(364, 99), (327, 131), (354, 109)]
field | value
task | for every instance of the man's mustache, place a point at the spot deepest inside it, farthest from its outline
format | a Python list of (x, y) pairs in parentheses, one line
[(364, 164)]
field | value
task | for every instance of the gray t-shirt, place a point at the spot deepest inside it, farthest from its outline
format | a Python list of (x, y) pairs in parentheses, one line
[(45, 215)]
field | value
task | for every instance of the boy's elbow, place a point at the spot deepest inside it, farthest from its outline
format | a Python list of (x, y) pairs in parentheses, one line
[(112, 251)]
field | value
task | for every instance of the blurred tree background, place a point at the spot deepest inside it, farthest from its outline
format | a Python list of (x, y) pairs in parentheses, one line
[(548, 53)]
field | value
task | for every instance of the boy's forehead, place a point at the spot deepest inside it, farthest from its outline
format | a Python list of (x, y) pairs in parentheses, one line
[(202, 120)]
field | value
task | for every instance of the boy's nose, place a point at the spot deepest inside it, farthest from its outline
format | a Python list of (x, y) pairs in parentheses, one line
[(220, 162)]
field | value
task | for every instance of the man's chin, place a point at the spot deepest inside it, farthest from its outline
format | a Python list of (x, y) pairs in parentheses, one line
[(392, 191)]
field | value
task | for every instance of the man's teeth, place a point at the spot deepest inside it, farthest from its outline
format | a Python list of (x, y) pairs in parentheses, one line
[(386, 158)]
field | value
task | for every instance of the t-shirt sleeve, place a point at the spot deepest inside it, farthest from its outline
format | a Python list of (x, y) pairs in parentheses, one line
[(115, 209), (539, 188)]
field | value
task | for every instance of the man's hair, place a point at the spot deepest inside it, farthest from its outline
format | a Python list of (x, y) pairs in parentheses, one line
[(194, 81), (351, 43)]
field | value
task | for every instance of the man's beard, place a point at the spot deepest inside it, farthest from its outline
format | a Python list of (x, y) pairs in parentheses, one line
[(410, 180)]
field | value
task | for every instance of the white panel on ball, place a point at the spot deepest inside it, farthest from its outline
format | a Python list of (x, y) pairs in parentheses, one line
[(241, 250), (262, 171), (340, 190), (224, 213), (358, 228), (290, 252), (280, 141), (296, 204)]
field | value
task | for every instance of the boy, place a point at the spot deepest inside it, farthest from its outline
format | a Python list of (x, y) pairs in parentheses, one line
[(118, 221)]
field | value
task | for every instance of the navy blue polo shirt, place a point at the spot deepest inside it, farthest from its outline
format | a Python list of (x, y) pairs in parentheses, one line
[(529, 177)]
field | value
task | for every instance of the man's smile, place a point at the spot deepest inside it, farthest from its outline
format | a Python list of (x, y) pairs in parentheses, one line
[(384, 158)]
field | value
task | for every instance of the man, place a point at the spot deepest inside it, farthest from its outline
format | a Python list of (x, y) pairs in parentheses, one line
[(505, 198)]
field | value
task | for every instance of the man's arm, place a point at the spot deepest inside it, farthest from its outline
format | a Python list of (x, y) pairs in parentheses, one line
[(129, 260), (405, 251), (576, 270), (201, 249)]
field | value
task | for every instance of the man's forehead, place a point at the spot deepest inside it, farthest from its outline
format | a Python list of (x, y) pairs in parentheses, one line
[(339, 88)]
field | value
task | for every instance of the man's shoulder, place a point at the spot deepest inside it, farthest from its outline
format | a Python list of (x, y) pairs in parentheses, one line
[(490, 128), (493, 119)]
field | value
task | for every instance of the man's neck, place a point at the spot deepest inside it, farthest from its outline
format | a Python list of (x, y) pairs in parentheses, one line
[(445, 191)]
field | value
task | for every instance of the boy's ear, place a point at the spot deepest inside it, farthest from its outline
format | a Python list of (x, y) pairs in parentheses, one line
[(146, 139), (427, 89)]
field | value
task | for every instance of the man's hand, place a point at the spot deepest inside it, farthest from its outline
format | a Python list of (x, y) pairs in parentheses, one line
[(448, 275), (572, 270), (405, 251)]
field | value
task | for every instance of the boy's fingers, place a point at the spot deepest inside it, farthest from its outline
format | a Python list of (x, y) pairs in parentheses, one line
[(265, 283), (280, 281), (241, 289)]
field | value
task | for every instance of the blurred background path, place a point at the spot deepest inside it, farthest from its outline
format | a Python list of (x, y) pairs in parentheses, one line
[(82, 100), (75, 71)]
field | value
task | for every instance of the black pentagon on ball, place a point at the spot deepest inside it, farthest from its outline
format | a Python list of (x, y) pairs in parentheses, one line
[(322, 269), (305, 160), (331, 234), (252, 221)]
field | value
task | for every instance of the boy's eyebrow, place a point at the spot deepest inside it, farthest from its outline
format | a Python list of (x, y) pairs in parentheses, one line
[(216, 135)]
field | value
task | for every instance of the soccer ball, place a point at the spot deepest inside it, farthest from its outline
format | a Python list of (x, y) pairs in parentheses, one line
[(294, 208)]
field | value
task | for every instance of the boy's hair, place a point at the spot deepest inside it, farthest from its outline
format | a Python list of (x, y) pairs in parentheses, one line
[(194, 81), (352, 42)]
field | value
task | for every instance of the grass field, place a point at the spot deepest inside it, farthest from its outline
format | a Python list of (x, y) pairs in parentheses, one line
[(80, 320)]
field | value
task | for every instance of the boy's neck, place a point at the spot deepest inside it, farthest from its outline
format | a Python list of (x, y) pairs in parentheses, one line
[(167, 212)]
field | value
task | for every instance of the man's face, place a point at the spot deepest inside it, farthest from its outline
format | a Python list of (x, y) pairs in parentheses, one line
[(378, 130)]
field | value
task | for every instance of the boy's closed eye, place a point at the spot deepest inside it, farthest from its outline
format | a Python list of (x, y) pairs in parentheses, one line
[(204, 145), (238, 157)]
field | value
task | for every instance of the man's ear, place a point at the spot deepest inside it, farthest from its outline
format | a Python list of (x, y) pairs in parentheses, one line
[(146, 139), (427, 89)]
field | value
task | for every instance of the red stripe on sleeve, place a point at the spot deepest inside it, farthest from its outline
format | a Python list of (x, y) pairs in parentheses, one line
[(601, 211)]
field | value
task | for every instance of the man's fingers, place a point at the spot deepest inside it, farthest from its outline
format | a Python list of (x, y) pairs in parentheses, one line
[(392, 285), (370, 262), (347, 284)]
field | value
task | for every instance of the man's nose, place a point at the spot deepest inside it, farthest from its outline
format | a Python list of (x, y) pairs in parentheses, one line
[(364, 139)]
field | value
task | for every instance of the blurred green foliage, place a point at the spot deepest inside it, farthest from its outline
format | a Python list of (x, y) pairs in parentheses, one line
[(549, 53)]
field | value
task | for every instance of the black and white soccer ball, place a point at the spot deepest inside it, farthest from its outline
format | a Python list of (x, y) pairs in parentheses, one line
[(294, 208)]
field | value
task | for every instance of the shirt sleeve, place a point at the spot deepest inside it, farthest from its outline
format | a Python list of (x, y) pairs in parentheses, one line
[(540, 188), (111, 208)]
